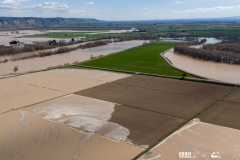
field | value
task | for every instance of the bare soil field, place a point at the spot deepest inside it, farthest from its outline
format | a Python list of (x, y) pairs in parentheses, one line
[(174, 104), (223, 114), (29, 137), (205, 90), (202, 140), (145, 126), (234, 96)]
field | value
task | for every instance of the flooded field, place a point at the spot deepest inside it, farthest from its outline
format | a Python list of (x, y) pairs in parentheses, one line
[(7, 36), (32, 88), (70, 57), (28, 136), (200, 141), (14, 94)]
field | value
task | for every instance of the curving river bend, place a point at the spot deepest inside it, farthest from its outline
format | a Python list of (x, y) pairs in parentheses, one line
[(217, 71)]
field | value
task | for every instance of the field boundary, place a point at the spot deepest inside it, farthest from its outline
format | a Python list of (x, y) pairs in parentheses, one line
[(184, 123), (156, 75)]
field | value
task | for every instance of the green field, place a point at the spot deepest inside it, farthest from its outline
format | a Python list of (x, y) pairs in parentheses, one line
[(143, 59)]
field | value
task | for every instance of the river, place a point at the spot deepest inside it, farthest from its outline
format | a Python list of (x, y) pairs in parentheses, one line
[(70, 57), (217, 71)]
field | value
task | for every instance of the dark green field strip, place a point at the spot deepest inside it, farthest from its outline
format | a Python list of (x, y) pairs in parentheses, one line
[(224, 114), (143, 59), (145, 126), (205, 90)]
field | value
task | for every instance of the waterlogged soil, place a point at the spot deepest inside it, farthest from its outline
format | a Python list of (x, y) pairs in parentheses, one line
[(200, 141), (32, 88), (83, 114), (26, 136), (15, 95), (70, 57)]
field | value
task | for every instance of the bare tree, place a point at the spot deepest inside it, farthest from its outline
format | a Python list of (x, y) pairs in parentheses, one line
[(15, 69)]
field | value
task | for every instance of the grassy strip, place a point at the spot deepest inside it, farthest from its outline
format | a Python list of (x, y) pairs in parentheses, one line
[(184, 123)]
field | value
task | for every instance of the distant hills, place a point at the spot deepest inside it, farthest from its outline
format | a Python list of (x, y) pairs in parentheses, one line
[(41, 22)]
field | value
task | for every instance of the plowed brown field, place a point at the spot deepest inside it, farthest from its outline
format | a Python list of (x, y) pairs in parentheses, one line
[(153, 106), (234, 96), (178, 105), (178, 86), (145, 126), (223, 114)]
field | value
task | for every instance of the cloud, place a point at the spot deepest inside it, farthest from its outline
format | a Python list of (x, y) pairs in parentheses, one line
[(180, 1), (204, 9), (18, 5), (56, 6), (144, 8), (152, 10), (90, 3), (124, 10)]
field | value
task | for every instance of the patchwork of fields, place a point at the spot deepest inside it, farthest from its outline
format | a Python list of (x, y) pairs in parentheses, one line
[(151, 111), (107, 115), (143, 59)]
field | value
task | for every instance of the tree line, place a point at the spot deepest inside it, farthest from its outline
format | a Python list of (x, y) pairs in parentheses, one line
[(61, 50), (36, 47), (221, 56)]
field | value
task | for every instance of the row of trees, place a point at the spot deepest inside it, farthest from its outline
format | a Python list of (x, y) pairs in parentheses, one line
[(36, 47), (232, 45), (60, 50), (208, 55)]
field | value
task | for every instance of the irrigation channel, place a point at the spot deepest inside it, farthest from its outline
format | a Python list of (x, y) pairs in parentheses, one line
[(217, 71)]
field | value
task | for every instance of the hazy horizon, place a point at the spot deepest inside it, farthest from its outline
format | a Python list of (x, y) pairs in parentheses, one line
[(121, 10)]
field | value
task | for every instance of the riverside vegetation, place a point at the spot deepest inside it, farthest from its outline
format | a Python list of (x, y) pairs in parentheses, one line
[(228, 51), (58, 51)]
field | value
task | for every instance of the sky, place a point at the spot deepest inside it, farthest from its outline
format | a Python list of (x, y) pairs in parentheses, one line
[(121, 10)]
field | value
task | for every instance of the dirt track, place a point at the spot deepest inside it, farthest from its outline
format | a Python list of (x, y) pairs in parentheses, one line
[(234, 96), (153, 106)]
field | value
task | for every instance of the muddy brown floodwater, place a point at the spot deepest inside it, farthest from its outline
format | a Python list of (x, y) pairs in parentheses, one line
[(217, 71), (70, 57), (27, 136)]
